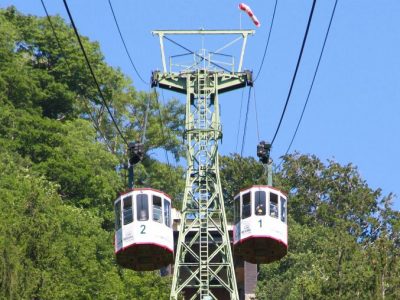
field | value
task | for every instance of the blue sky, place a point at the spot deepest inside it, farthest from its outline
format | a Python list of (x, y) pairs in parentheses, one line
[(353, 112)]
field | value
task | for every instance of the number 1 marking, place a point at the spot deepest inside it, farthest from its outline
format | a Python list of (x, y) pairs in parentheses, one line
[(260, 221)]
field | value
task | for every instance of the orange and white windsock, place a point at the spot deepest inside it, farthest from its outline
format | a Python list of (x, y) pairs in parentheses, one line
[(248, 10)]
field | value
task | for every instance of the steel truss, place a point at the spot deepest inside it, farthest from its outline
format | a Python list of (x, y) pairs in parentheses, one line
[(203, 263)]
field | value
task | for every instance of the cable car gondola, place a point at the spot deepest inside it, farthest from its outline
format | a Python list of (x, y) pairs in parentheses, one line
[(143, 230), (260, 224)]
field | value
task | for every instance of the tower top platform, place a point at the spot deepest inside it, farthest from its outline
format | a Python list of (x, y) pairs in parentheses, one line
[(240, 34)]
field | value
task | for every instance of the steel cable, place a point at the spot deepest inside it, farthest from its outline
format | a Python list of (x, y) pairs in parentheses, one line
[(266, 46), (312, 82), (92, 73), (295, 72), (123, 42)]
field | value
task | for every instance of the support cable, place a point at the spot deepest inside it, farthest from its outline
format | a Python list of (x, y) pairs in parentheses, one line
[(56, 37), (240, 120), (266, 46), (145, 118), (162, 124), (295, 72), (245, 121), (255, 107), (92, 73), (126, 48), (95, 124), (313, 80)]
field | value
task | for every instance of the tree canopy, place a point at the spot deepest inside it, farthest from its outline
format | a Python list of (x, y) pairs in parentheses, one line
[(61, 165), (343, 236)]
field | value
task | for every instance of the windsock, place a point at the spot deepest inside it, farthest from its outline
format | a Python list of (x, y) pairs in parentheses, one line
[(248, 10)]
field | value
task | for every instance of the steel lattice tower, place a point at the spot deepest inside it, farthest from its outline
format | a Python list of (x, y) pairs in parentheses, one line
[(203, 263)]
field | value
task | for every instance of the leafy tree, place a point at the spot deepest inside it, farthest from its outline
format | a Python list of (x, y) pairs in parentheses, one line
[(322, 263), (48, 249), (238, 173), (334, 228), (39, 75), (383, 249), (59, 176), (66, 153), (161, 176), (331, 195)]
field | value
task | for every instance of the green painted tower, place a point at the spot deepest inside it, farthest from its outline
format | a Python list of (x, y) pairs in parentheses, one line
[(203, 262)]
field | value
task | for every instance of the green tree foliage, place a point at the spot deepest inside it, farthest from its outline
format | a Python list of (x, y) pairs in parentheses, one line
[(47, 248), (384, 252), (60, 176), (330, 195), (163, 177), (342, 236), (66, 153), (37, 74), (50, 250), (322, 263), (238, 173)]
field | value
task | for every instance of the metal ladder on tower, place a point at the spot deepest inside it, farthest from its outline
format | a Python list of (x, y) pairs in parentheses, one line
[(203, 245), (203, 190)]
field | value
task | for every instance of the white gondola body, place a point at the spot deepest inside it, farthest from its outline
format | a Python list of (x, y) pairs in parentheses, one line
[(144, 234), (260, 225)]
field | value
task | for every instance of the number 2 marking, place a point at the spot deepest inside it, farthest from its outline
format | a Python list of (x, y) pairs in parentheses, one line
[(143, 227), (260, 221)]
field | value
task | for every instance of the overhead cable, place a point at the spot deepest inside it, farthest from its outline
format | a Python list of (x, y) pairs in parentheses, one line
[(266, 46), (126, 48), (92, 73), (56, 37), (162, 123), (245, 121), (256, 111), (295, 72), (95, 124), (313, 80), (240, 120), (146, 114)]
